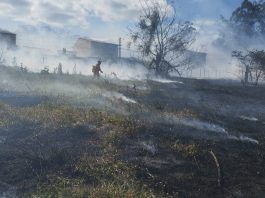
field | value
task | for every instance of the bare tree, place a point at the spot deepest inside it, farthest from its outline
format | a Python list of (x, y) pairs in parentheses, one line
[(258, 57), (161, 38), (253, 64)]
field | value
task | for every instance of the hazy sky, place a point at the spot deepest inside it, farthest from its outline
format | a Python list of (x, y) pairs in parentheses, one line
[(102, 19)]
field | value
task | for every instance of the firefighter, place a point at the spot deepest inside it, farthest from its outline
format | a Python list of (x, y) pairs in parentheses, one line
[(96, 69)]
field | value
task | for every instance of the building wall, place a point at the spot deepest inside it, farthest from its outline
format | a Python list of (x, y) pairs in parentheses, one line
[(103, 50), (8, 38), (82, 48), (197, 59), (85, 48)]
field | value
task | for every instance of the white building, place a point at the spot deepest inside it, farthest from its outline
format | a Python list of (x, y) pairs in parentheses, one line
[(87, 48)]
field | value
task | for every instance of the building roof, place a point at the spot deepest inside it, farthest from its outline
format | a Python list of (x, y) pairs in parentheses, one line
[(5, 31), (191, 52), (92, 40)]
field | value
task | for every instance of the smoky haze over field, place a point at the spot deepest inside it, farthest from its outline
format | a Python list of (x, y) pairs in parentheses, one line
[(56, 25), (137, 129), (219, 47), (44, 49), (39, 49)]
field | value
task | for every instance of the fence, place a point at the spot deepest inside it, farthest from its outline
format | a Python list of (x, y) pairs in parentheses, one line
[(211, 73)]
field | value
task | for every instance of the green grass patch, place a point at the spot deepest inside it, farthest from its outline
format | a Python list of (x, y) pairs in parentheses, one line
[(188, 150)]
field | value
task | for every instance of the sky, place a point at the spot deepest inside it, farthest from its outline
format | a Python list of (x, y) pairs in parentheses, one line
[(102, 19)]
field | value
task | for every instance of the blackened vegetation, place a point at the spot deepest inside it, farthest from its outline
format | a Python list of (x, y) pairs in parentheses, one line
[(60, 149)]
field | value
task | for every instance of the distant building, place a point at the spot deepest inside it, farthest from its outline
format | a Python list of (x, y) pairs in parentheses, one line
[(66, 52), (87, 48), (197, 59), (8, 38)]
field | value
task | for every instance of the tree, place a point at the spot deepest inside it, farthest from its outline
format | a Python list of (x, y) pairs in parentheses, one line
[(245, 30), (161, 38), (45, 70), (258, 57), (60, 69), (245, 27), (253, 63), (249, 18)]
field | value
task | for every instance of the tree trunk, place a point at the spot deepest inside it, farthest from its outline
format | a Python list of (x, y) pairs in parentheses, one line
[(246, 75)]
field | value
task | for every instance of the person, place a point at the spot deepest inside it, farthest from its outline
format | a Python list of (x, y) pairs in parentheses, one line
[(96, 69)]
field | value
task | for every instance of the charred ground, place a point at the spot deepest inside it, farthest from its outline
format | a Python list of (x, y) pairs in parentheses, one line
[(74, 136)]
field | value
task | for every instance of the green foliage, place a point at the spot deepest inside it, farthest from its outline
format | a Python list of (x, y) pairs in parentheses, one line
[(6, 115), (104, 189), (258, 57), (249, 18), (109, 177), (56, 186), (186, 150), (102, 168), (245, 25), (128, 190)]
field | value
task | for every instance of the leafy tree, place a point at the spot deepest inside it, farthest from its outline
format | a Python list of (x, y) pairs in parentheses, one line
[(161, 38), (243, 30), (246, 24), (249, 18), (45, 70)]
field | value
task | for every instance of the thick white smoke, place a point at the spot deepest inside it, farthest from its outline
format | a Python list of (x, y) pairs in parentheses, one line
[(42, 47), (218, 41)]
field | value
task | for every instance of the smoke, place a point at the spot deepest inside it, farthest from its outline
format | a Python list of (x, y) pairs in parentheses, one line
[(35, 60), (44, 37), (210, 127), (118, 96), (218, 41), (125, 71), (41, 46), (163, 80), (244, 139)]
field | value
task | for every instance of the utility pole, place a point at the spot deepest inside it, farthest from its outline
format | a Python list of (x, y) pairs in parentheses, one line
[(119, 49), (74, 70)]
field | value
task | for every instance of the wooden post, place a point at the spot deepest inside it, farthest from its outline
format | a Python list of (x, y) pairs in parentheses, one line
[(119, 50)]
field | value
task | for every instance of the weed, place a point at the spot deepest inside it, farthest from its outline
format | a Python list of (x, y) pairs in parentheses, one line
[(186, 150)]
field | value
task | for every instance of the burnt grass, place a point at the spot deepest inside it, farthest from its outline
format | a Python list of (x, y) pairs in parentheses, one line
[(58, 149)]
